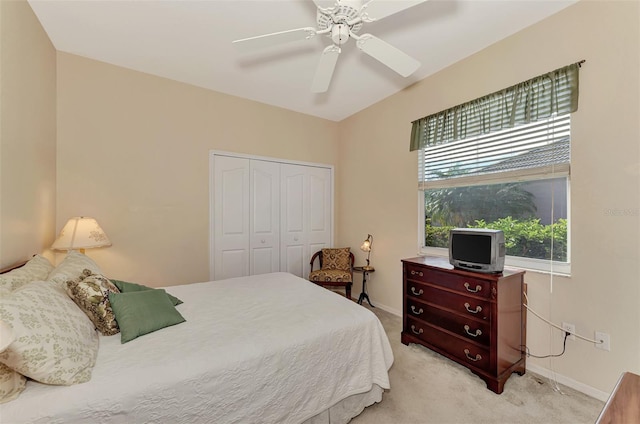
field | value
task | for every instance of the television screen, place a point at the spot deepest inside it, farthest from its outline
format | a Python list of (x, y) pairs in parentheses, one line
[(474, 248)]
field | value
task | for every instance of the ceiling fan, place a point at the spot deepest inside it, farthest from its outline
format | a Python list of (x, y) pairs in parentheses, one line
[(341, 20)]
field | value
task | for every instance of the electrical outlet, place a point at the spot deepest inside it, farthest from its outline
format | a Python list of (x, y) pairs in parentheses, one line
[(569, 328), (606, 341)]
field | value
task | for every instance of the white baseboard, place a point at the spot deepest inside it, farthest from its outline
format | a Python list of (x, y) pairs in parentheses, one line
[(569, 382), (387, 308)]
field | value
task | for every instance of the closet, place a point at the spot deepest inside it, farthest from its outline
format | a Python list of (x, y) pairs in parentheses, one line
[(267, 215)]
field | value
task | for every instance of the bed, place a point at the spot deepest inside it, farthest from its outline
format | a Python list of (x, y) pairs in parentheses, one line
[(270, 348)]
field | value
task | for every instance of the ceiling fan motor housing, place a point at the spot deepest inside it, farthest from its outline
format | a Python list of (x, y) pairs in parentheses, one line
[(340, 33), (337, 20)]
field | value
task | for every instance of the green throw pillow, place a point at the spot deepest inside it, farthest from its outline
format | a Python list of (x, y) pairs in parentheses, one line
[(126, 287), (143, 312)]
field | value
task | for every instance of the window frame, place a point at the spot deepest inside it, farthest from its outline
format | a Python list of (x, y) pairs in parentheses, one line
[(535, 174)]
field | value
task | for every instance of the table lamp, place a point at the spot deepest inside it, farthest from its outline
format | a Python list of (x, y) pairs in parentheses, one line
[(81, 233), (366, 247)]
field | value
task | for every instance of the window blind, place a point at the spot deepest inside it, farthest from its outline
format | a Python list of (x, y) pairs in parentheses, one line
[(524, 152)]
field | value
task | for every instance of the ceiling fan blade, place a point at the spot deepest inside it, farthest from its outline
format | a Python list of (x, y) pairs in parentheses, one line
[(375, 10), (267, 40), (324, 72), (388, 55)]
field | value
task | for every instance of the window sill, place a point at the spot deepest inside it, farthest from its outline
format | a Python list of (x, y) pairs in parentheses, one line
[(542, 266)]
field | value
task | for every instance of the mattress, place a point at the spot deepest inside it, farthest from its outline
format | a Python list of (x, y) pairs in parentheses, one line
[(271, 348)]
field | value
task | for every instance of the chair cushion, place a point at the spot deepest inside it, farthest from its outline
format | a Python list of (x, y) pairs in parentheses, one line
[(336, 259), (330, 275)]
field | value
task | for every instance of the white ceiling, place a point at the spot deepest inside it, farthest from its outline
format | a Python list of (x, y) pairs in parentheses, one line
[(190, 41)]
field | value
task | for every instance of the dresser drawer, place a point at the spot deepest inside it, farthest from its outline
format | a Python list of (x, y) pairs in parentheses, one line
[(466, 352), (464, 305), (459, 283), (475, 330)]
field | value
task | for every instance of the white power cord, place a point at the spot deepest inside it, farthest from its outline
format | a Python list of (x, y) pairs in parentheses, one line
[(557, 326)]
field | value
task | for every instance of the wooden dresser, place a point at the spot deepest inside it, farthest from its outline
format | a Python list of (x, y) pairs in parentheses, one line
[(623, 405), (477, 320)]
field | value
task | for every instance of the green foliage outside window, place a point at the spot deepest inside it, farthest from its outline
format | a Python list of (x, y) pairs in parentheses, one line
[(523, 237), (508, 207)]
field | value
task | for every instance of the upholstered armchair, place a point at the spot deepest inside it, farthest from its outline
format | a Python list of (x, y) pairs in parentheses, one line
[(336, 268)]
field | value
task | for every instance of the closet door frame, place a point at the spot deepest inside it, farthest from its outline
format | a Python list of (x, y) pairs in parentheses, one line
[(214, 153)]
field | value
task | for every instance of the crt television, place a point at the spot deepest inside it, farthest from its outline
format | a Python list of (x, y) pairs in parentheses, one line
[(477, 249)]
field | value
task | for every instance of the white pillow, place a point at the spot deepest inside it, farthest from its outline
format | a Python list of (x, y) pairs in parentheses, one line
[(71, 268), (47, 322), (36, 269)]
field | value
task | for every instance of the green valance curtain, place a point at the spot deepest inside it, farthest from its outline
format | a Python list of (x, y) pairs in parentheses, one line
[(555, 92)]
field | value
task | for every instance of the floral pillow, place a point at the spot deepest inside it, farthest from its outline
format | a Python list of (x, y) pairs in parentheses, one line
[(336, 259), (91, 293), (36, 269), (55, 342), (11, 383), (72, 267)]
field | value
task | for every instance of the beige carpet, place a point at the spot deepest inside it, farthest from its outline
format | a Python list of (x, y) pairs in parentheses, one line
[(428, 388)]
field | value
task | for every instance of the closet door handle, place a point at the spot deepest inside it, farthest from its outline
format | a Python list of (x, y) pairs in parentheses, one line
[(468, 307), (471, 358), (417, 293), (476, 334), (478, 288)]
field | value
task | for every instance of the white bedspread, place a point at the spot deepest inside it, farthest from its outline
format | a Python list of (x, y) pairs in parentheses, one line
[(262, 349)]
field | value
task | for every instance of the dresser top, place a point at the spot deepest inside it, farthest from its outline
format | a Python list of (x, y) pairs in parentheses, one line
[(439, 262)]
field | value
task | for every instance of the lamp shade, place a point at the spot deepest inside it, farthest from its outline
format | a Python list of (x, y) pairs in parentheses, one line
[(81, 233), (366, 245)]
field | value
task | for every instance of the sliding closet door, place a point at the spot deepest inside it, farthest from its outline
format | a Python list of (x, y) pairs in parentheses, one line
[(231, 212), (305, 215), (264, 225)]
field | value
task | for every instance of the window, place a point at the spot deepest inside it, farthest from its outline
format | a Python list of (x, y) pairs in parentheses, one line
[(515, 180)]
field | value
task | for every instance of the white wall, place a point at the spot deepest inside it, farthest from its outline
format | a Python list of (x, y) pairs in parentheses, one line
[(27, 134)]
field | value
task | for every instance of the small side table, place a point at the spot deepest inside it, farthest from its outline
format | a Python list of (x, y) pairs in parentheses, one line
[(365, 270)]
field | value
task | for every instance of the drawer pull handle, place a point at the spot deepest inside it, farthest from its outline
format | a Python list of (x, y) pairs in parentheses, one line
[(413, 328), (417, 293), (478, 288), (468, 307), (418, 312), (471, 358), (418, 273), (476, 334)]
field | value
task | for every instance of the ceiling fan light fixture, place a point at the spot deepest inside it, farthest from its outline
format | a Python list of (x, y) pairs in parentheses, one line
[(340, 34)]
